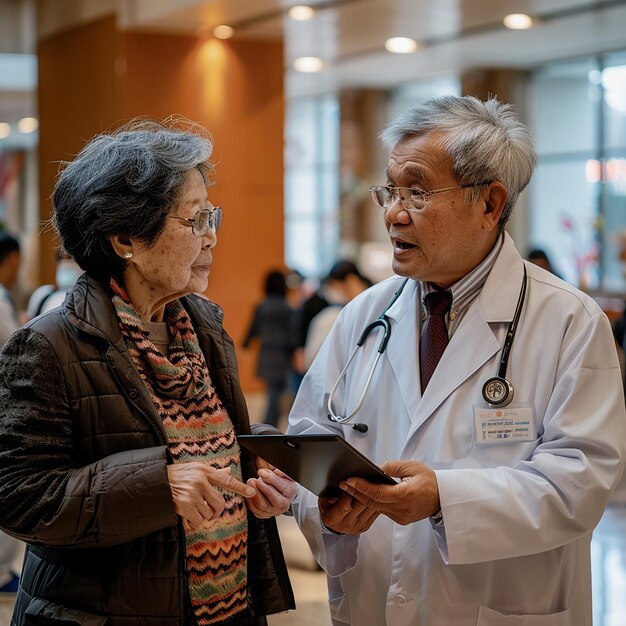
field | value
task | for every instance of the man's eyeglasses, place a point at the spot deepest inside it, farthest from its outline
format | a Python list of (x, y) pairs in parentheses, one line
[(203, 221), (411, 199)]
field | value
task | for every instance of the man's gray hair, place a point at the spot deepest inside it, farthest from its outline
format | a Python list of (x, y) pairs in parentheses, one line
[(485, 140), (125, 183)]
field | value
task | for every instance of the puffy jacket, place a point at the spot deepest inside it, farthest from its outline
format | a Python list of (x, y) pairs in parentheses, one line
[(83, 477)]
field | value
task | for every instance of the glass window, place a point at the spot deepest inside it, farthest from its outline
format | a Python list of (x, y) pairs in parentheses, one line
[(312, 184), (563, 108), (301, 243), (614, 211), (578, 193), (613, 81), (300, 192), (300, 133), (413, 93), (562, 197)]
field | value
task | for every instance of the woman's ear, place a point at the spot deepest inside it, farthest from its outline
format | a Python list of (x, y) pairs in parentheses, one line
[(494, 204), (122, 245)]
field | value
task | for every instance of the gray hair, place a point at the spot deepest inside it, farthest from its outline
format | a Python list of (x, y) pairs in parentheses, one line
[(485, 140), (125, 183)]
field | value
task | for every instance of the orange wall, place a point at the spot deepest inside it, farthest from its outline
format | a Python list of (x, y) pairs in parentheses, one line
[(95, 76), (76, 99)]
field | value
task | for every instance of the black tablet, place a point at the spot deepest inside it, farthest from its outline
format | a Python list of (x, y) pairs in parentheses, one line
[(317, 462)]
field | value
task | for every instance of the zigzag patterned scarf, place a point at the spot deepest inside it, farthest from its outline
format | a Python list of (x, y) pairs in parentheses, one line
[(198, 429)]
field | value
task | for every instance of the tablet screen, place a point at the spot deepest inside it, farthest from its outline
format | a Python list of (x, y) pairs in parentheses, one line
[(317, 462)]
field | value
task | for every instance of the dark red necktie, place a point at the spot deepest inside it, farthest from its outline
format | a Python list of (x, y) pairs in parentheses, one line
[(434, 338)]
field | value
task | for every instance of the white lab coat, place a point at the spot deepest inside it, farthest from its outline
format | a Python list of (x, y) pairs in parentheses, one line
[(513, 548)]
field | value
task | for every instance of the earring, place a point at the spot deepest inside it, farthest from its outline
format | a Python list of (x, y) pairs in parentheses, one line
[(128, 255)]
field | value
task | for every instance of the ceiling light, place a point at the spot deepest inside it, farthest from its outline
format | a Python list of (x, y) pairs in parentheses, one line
[(301, 12), (308, 64), (5, 130), (28, 124), (401, 45), (518, 21), (223, 31)]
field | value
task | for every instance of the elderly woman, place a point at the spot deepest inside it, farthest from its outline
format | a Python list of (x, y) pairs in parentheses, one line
[(119, 412)]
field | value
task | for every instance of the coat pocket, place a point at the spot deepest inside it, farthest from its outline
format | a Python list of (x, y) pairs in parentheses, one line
[(40, 612), (489, 617)]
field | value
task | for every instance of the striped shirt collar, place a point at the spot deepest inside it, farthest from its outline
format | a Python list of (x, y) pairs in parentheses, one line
[(465, 290)]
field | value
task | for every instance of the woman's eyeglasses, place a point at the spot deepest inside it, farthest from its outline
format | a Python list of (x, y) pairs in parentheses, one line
[(203, 221)]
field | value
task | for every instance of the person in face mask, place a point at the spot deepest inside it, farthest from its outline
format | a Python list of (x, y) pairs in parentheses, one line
[(47, 297)]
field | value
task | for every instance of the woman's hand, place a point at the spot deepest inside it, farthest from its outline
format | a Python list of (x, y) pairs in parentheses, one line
[(274, 492), (195, 497)]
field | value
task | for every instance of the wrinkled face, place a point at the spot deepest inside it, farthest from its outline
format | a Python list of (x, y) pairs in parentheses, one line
[(179, 262), (446, 238)]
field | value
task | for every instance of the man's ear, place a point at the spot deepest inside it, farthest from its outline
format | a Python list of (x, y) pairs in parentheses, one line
[(494, 204), (122, 245)]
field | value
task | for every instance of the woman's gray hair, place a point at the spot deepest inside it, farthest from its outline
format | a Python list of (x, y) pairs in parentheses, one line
[(125, 183), (485, 140)]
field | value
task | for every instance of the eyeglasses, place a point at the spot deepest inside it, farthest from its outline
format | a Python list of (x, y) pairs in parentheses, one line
[(203, 221), (411, 199)]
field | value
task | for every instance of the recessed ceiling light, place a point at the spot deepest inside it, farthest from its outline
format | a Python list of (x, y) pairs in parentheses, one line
[(308, 64), (5, 130), (401, 45), (301, 12), (28, 124), (223, 31), (518, 21)]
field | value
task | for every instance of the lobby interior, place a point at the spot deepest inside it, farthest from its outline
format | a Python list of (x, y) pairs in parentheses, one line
[(296, 143)]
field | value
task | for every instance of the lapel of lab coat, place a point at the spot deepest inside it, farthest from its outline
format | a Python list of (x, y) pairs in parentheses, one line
[(471, 346)]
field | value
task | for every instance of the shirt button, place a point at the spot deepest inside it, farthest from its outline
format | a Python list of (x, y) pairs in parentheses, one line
[(399, 600)]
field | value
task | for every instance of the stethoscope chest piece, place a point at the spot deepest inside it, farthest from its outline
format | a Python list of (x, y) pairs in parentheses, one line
[(497, 391)]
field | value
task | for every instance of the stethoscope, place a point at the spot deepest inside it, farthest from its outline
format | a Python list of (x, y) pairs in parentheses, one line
[(497, 391)]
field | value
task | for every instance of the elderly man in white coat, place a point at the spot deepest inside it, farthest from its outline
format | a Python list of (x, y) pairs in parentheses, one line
[(491, 520)]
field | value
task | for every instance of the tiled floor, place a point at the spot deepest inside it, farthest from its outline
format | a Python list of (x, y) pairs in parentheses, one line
[(608, 560), (309, 583)]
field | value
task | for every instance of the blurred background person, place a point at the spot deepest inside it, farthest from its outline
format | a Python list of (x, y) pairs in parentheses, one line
[(47, 297), (329, 292), (119, 411), (343, 282), (271, 325), (539, 257), (9, 269), (309, 307)]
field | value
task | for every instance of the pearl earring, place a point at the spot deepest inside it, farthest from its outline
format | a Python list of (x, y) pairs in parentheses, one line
[(128, 255)]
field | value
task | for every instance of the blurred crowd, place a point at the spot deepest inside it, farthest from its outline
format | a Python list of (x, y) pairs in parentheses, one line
[(290, 324)]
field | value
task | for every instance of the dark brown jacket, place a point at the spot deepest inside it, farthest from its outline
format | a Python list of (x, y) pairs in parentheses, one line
[(83, 476)]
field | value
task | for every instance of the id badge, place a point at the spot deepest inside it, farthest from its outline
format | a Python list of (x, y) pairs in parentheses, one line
[(506, 425)]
